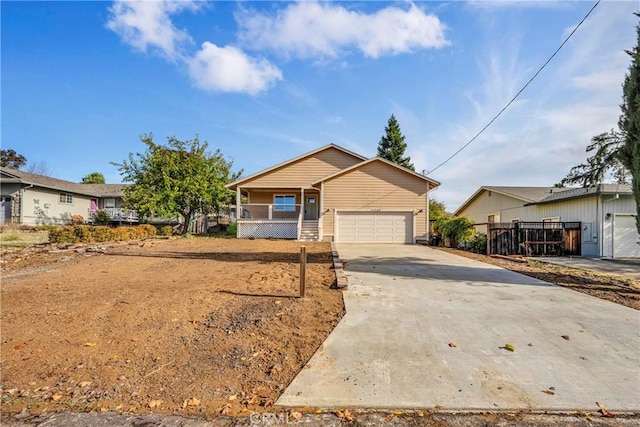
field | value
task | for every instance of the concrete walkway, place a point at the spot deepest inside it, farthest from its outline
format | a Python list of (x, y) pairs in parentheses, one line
[(629, 269), (407, 304)]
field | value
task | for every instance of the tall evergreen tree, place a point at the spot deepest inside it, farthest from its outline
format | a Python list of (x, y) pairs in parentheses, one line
[(392, 145), (629, 153)]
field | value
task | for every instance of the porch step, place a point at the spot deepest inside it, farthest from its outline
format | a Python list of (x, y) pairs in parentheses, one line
[(309, 231)]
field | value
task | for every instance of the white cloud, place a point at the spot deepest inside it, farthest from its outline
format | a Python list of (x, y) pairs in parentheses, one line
[(147, 24), (309, 28), (228, 69)]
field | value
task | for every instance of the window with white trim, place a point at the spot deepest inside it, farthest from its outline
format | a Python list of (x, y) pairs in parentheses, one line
[(284, 202), (66, 198)]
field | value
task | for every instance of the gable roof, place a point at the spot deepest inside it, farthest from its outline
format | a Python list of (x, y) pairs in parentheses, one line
[(575, 193), (541, 195), (526, 194), (95, 190), (432, 183), (233, 185)]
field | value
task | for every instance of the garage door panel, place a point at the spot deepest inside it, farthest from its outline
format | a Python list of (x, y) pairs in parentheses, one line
[(625, 237), (375, 227)]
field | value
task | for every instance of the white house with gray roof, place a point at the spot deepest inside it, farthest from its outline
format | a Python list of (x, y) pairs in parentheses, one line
[(607, 213), (32, 199)]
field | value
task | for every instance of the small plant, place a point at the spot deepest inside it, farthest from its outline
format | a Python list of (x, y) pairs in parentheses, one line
[(232, 229), (101, 217), (77, 220), (11, 237), (166, 230), (478, 243)]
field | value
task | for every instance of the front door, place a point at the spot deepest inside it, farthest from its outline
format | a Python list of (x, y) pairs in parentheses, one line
[(311, 207)]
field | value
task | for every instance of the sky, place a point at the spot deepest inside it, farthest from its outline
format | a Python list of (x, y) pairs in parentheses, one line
[(265, 82)]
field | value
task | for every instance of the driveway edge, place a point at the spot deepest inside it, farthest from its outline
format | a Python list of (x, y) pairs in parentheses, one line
[(341, 278)]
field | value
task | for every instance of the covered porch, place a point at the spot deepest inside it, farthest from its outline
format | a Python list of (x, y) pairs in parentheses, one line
[(281, 213)]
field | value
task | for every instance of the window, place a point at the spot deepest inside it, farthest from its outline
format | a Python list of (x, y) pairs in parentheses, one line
[(66, 198), (493, 218), (284, 202), (109, 203)]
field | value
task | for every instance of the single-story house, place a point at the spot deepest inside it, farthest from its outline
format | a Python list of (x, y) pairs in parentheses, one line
[(606, 213), (333, 194), (32, 199)]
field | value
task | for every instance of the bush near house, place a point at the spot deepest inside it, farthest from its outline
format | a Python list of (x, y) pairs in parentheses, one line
[(166, 230), (232, 229), (101, 217), (455, 231), (96, 234)]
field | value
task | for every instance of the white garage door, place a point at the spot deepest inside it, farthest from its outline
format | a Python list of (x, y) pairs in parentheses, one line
[(625, 237), (378, 227)]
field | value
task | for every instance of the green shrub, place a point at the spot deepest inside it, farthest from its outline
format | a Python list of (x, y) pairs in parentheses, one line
[(148, 230), (166, 230), (65, 234), (232, 229), (456, 230), (478, 243), (101, 217), (96, 234)]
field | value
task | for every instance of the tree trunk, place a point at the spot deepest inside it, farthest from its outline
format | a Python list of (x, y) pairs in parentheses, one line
[(187, 221)]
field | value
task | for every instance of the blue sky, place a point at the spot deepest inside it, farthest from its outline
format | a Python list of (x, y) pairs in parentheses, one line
[(268, 81)]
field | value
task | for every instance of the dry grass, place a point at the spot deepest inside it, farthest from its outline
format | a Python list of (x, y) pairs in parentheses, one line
[(13, 237)]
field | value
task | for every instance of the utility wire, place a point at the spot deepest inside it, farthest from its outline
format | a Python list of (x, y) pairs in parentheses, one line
[(519, 92)]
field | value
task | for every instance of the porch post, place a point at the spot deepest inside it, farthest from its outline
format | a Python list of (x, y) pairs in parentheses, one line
[(238, 206)]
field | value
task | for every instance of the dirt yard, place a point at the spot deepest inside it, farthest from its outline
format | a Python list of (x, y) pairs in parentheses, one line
[(190, 326), (612, 288)]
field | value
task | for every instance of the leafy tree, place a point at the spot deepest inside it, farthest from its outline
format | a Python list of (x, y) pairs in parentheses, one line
[(437, 210), (11, 159), (629, 124), (94, 178), (603, 161), (457, 229), (181, 178), (392, 145)]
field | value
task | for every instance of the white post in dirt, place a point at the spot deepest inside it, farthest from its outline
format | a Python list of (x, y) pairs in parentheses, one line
[(303, 270)]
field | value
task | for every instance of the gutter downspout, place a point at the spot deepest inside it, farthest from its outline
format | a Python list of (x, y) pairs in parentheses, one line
[(21, 217)]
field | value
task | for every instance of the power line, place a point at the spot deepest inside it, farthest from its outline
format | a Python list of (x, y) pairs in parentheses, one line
[(519, 92)]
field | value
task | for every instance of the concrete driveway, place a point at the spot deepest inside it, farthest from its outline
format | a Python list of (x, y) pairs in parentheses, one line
[(405, 305)]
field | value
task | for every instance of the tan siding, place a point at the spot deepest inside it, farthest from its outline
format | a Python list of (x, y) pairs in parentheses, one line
[(485, 205), (375, 186), (266, 197), (42, 206), (305, 171)]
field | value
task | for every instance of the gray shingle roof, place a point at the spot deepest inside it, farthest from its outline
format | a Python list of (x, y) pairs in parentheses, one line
[(528, 194), (96, 190), (573, 193)]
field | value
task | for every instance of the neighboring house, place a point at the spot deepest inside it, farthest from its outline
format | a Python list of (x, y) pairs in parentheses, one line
[(333, 194), (33, 199), (606, 213)]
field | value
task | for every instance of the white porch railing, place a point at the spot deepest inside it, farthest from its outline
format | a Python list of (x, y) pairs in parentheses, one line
[(262, 211), (269, 221), (116, 214)]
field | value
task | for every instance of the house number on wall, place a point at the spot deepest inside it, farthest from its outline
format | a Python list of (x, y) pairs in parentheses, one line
[(375, 210)]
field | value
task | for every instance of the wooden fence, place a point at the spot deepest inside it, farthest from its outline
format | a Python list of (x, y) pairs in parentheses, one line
[(534, 238)]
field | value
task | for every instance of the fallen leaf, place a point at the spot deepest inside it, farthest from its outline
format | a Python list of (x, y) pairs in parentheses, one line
[(295, 415), (278, 302), (566, 337), (346, 414), (118, 407), (115, 356), (510, 347), (453, 344), (85, 383), (279, 314), (103, 409), (225, 409), (17, 260), (586, 415), (318, 411), (90, 344), (604, 411), (233, 397), (56, 397), (549, 392), (21, 346), (193, 402), (155, 403)]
